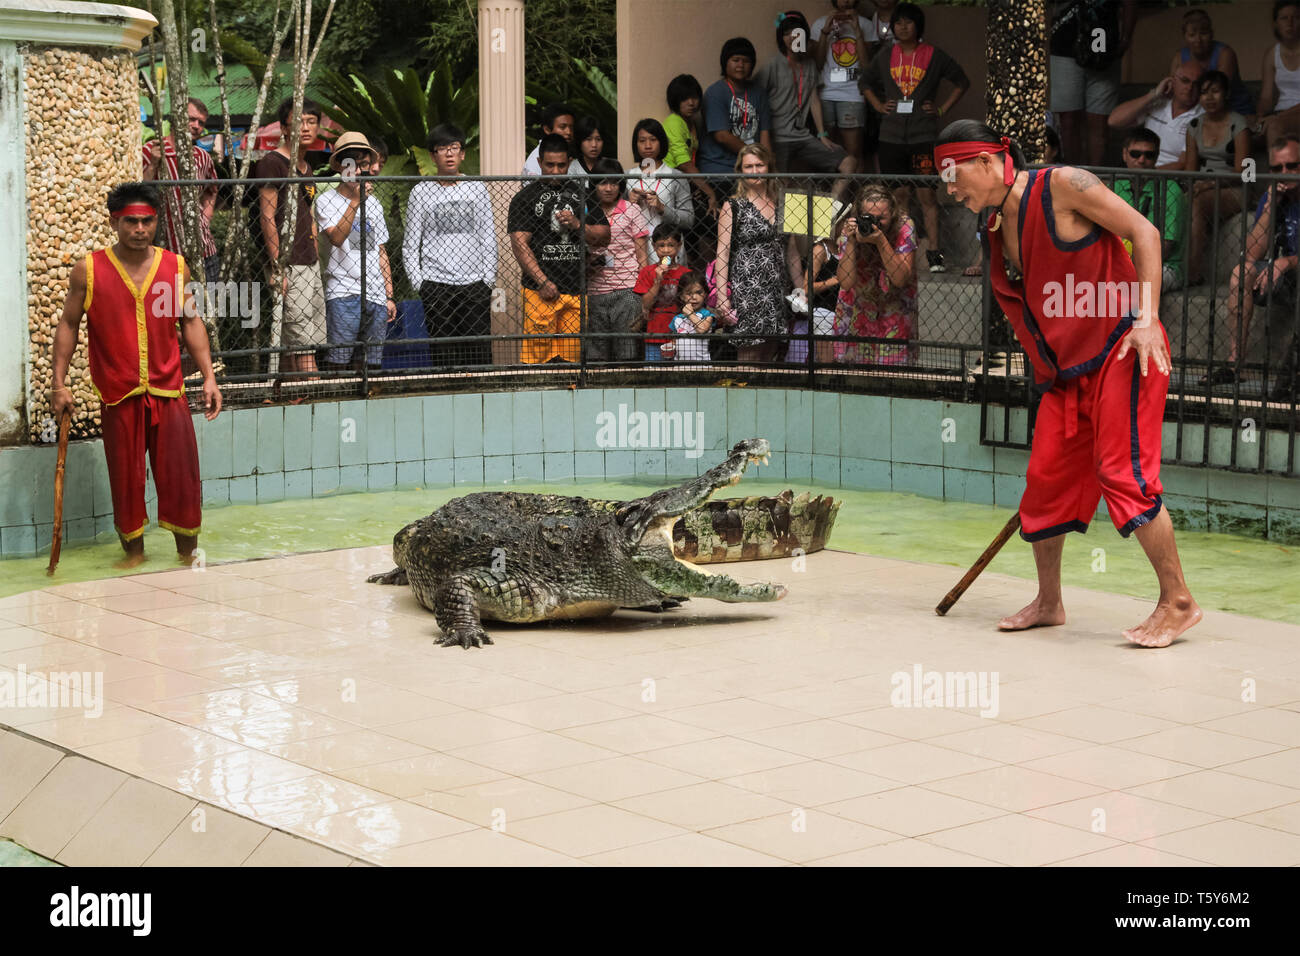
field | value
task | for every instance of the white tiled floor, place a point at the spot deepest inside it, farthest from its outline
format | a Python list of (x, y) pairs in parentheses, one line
[(290, 693)]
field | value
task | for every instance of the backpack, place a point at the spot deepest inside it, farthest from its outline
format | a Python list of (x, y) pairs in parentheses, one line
[(1091, 16)]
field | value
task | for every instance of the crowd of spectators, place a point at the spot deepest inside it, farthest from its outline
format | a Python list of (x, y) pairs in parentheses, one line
[(1199, 118), (603, 249)]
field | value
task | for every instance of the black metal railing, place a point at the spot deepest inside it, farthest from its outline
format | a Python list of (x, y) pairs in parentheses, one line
[(939, 334)]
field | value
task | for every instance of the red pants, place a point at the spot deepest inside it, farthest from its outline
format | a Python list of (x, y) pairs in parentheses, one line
[(163, 427), (1096, 435)]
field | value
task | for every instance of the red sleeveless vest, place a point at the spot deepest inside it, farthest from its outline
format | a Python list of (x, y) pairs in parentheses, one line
[(133, 346), (1075, 299)]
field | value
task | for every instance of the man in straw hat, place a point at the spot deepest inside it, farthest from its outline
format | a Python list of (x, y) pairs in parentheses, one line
[(358, 279)]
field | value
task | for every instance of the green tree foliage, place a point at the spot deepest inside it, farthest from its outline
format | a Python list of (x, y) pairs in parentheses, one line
[(401, 110), (557, 31), (368, 36)]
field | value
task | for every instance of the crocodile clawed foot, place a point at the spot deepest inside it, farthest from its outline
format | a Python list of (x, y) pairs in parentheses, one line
[(667, 604), (395, 576), (466, 636)]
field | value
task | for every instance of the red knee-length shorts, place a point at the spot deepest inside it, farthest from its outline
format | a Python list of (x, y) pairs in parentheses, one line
[(162, 427), (1096, 436)]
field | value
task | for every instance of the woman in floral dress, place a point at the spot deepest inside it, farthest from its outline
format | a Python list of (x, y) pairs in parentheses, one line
[(877, 282), (755, 269)]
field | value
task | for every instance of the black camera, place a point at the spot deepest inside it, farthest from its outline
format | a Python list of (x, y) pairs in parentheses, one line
[(867, 224)]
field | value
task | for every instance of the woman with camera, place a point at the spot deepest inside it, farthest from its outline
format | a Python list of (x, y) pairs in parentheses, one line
[(877, 277)]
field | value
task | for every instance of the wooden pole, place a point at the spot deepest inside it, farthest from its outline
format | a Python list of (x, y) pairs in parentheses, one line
[(56, 542), (978, 567)]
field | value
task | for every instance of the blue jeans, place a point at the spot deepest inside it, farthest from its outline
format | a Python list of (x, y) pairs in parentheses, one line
[(652, 353), (343, 323)]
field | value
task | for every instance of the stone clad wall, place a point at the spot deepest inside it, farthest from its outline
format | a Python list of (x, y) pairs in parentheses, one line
[(83, 137)]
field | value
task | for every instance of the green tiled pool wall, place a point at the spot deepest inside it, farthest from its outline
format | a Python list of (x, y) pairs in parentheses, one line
[(869, 443)]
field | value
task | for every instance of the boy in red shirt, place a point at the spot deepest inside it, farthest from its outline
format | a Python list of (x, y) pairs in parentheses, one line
[(657, 286)]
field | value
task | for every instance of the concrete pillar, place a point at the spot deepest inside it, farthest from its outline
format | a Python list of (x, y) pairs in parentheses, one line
[(501, 86), (501, 147), (53, 53)]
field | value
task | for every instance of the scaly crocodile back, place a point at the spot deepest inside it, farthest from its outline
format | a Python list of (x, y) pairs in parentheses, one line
[(749, 529)]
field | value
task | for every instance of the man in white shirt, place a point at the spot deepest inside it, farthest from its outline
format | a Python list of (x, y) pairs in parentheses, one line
[(1166, 111), (556, 118), (354, 313), (450, 252)]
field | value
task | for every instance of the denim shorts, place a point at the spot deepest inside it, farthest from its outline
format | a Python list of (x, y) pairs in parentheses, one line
[(844, 114), (344, 326)]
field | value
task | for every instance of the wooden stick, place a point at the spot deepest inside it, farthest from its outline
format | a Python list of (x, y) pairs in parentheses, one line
[(989, 553), (56, 542)]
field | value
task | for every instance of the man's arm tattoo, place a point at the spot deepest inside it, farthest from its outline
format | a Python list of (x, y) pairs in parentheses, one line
[(1083, 180)]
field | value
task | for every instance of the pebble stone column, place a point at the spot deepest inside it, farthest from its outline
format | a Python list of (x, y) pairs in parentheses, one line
[(1016, 90), (69, 132), (501, 148)]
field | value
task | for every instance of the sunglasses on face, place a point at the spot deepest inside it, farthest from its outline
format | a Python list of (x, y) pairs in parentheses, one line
[(1289, 167), (1145, 154)]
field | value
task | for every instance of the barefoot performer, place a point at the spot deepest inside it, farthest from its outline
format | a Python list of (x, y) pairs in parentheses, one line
[(1100, 359), (132, 295)]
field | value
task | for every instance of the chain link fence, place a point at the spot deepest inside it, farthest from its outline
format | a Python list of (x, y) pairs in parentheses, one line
[(639, 279)]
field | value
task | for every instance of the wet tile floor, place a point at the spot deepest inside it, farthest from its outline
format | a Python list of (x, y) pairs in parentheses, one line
[(291, 692)]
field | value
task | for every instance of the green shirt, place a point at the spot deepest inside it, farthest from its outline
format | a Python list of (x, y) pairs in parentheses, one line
[(1167, 213), (682, 141)]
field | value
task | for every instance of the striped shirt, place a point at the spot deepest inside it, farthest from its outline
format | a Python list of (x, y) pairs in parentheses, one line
[(172, 219)]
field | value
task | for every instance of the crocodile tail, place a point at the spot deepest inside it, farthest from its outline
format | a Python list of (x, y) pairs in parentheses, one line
[(749, 529)]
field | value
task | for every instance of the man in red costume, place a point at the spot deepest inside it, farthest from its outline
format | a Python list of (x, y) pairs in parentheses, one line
[(133, 294), (1086, 315)]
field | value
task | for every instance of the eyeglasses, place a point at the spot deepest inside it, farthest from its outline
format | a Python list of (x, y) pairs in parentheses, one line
[(453, 148), (1289, 167), (1146, 154)]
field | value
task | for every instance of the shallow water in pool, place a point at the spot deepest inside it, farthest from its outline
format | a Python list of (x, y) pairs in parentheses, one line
[(1225, 572)]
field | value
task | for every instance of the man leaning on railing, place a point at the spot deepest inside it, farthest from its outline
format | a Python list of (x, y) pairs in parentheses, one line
[(1267, 275), (552, 225)]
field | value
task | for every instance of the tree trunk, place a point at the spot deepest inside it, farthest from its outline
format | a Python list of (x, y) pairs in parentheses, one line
[(1016, 95), (178, 94), (237, 234), (176, 58), (302, 64)]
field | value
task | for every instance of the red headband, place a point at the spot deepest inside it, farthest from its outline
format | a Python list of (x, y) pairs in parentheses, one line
[(969, 149), (135, 209)]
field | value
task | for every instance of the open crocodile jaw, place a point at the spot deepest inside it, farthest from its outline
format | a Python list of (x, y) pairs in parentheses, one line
[(662, 526)]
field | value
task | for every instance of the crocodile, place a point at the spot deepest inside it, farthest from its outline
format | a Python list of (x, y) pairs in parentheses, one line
[(750, 529), (524, 558)]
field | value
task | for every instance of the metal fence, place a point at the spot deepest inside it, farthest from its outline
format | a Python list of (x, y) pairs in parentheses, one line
[(462, 262)]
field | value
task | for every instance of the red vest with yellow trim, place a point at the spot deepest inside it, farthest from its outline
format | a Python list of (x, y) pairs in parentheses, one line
[(133, 345), (1075, 300)]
